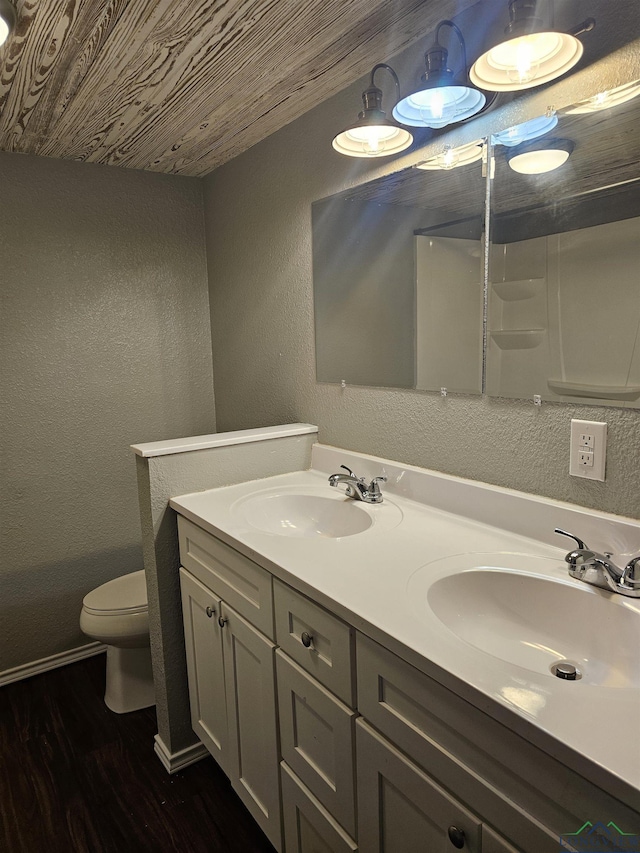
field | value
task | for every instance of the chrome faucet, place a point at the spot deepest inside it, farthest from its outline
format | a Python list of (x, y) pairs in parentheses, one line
[(357, 488), (597, 569)]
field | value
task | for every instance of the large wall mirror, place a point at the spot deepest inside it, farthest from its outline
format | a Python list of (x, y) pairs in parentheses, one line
[(401, 285), (398, 280)]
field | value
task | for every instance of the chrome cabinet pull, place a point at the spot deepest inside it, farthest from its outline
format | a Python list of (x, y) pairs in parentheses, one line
[(222, 621), (306, 639), (210, 611)]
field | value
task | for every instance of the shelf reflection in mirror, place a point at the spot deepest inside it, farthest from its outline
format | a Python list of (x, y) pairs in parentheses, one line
[(564, 294)]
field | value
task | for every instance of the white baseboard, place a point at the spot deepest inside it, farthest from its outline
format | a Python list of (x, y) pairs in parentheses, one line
[(52, 662), (174, 761)]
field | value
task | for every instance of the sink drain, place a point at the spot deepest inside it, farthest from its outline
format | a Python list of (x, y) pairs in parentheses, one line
[(566, 670)]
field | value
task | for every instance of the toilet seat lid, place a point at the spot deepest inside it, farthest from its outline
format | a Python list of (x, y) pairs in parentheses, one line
[(126, 594)]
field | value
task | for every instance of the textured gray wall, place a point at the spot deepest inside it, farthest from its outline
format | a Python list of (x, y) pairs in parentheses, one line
[(258, 222), (105, 342)]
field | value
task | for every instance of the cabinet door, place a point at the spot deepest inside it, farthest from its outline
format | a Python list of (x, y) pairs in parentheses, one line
[(400, 809), (249, 668), (316, 739), (494, 843), (308, 827), (203, 641)]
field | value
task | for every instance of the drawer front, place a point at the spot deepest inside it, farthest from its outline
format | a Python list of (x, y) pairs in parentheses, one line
[(329, 655), (233, 577), (308, 827), (317, 740), (400, 808), (445, 735)]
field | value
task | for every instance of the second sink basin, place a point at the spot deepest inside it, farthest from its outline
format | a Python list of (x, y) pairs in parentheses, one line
[(533, 622)]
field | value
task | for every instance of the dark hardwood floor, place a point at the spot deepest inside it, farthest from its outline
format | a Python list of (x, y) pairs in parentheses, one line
[(76, 777)]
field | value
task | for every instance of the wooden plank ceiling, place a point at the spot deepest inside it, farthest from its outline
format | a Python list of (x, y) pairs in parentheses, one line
[(182, 86)]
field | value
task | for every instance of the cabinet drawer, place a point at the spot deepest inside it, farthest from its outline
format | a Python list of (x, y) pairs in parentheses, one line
[(400, 808), (467, 751), (329, 656), (308, 827), (239, 581), (317, 739)]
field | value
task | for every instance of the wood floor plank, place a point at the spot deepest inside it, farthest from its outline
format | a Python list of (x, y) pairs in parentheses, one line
[(77, 778)]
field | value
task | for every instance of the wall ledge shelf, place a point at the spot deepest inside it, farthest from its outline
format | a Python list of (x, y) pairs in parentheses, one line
[(599, 392), (512, 291), (518, 338)]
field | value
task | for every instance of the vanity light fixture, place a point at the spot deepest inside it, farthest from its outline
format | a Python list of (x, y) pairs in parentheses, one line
[(452, 158), (532, 53), (604, 100), (443, 97), (525, 132), (7, 20), (539, 156), (373, 134)]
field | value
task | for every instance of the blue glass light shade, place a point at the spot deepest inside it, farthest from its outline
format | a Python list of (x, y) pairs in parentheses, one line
[(438, 106), (526, 131)]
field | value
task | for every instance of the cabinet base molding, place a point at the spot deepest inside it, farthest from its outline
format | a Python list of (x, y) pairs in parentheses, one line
[(174, 761)]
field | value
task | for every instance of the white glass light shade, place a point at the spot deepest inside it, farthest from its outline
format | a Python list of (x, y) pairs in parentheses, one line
[(605, 100), (438, 106), (532, 129), (372, 140), (539, 157), (526, 61), (453, 158), (7, 20)]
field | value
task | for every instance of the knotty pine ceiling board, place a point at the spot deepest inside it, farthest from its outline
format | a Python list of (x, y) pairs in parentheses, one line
[(182, 86)]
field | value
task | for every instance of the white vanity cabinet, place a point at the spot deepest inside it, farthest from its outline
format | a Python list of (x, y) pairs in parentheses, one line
[(231, 669), (336, 744)]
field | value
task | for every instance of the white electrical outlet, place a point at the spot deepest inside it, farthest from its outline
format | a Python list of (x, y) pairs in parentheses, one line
[(588, 452)]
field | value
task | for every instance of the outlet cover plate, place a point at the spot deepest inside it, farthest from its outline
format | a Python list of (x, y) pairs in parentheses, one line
[(588, 453)]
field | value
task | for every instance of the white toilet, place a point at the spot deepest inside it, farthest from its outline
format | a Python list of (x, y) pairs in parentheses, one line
[(116, 614)]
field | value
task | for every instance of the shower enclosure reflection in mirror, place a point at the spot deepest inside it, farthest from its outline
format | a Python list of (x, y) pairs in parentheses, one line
[(402, 258)]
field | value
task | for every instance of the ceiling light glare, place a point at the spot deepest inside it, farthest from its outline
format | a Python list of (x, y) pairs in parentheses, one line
[(7, 20), (453, 158), (531, 55), (526, 131), (374, 140), (438, 107), (606, 100), (373, 134), (539, 157), (442, 97)]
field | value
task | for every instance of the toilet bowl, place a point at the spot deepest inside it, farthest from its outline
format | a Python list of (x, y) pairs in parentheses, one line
[(116, 614)]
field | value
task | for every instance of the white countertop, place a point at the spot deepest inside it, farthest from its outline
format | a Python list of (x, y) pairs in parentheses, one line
[(376, 581)]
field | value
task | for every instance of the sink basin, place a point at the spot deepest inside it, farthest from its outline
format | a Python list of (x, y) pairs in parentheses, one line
[(534, 621), (303, 515)]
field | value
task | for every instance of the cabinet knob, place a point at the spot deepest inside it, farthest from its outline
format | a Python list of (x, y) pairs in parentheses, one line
[(456, 837), (222, 621), (306, 639), (209, 611)]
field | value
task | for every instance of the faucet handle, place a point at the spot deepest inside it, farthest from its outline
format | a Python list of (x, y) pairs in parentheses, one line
[(349, 471), (579, 542), (374, 488), (631, 574)]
